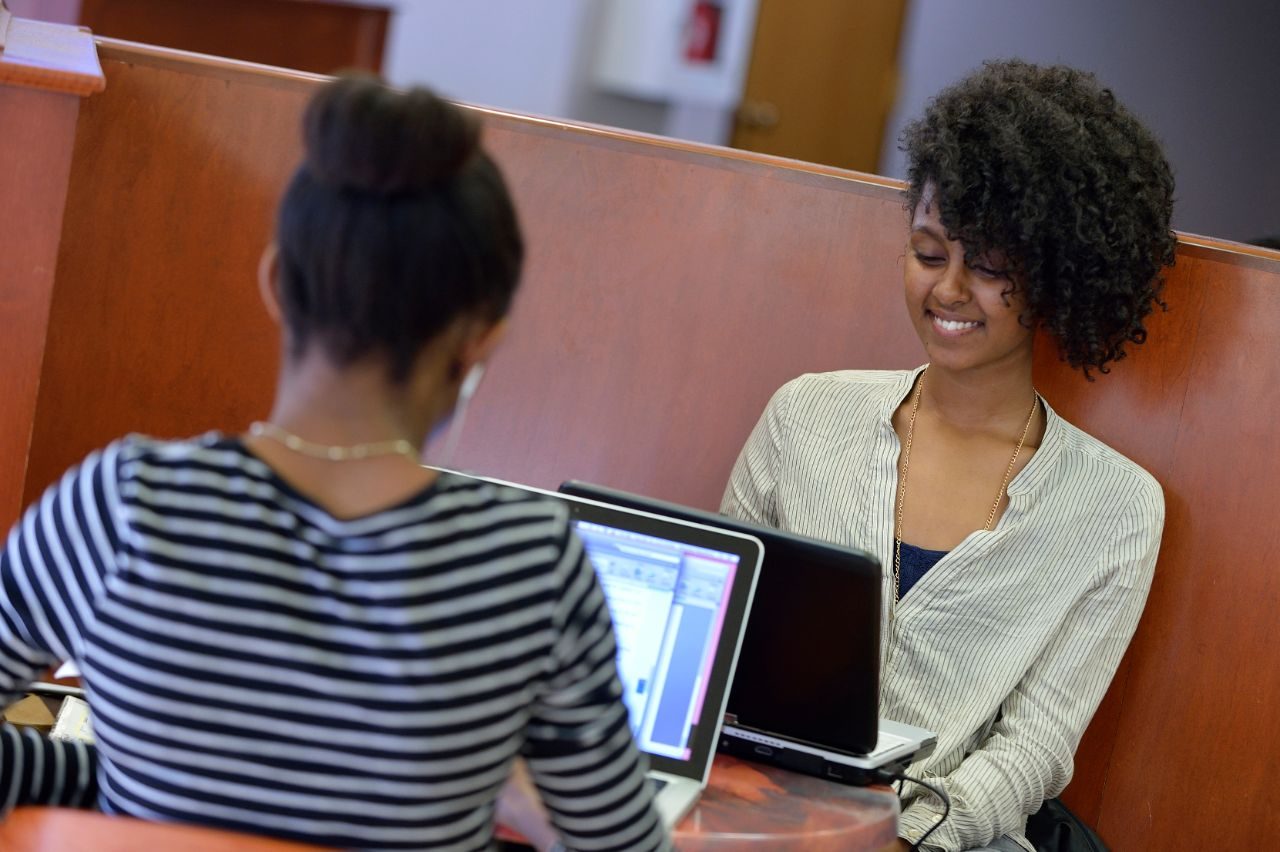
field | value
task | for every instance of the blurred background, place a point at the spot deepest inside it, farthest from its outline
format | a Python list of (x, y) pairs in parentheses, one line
[(825, 81)]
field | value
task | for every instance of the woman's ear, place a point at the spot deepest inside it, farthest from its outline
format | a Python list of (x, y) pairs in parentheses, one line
[(269, 280), (482, 344)]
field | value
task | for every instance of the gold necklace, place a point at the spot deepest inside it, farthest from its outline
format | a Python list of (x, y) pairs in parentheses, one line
[(353, 452), (902, 479)]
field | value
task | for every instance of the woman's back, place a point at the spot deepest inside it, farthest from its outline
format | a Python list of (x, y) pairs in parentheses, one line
[(255, 663)]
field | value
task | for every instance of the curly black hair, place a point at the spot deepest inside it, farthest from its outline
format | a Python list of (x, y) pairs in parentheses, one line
[(1043, 165)]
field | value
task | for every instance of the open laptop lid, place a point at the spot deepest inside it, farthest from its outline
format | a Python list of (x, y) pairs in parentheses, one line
[(810, 660), (679, 594)]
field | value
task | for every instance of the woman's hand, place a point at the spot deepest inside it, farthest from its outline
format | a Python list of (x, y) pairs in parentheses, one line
[(520, 809)]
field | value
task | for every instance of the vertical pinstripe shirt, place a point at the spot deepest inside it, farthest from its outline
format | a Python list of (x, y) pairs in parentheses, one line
[(1006, 646), (255, 664)]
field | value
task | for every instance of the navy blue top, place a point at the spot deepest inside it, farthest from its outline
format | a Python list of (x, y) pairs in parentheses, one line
[(915, 562)]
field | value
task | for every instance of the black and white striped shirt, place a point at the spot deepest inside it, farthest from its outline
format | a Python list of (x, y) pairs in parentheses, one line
[(1006, 646), (255, 664)]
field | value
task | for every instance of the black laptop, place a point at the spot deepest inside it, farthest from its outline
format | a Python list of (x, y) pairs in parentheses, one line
[(806, 691)]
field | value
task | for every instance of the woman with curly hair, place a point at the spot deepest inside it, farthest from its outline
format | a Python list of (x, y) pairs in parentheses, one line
[(1018, 549)]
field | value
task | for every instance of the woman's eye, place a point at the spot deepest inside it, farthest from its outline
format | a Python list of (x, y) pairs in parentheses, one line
[(929, 259), (988, 272)]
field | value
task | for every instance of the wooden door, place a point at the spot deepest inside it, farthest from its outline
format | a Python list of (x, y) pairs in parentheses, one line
[(822, 80)]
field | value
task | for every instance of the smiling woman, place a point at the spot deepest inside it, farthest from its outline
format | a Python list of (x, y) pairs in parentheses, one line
[(1019, 550), (965, 312)]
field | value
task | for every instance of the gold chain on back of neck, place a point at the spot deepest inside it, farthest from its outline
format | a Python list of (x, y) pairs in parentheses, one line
[(353, 452), (906, 462)]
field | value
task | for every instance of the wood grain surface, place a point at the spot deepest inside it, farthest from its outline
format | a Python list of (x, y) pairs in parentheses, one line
[(61, 830), (37, 129)]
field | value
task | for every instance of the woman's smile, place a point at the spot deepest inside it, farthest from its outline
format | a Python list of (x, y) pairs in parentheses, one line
[(952, 327)]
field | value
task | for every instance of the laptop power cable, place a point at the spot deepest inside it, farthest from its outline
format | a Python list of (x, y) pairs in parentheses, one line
[(886, 776)]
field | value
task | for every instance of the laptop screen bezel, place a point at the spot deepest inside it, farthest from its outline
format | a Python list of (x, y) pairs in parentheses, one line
[(748, 552)]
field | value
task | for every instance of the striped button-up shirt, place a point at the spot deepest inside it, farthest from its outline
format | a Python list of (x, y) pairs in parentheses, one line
[(1006, 646)]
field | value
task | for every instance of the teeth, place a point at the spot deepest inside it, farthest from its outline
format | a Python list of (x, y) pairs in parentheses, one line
[(952, 325)]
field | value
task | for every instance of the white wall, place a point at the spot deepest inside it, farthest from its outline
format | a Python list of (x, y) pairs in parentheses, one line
[(1204, 76), (55, 11), (532, 57), (511, 54)]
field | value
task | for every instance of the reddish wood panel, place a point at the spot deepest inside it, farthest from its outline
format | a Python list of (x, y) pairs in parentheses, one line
[(1196, 743), (37, 131), (156, 323), (668, 294), (57, 830), (670, 290), (309, 35)]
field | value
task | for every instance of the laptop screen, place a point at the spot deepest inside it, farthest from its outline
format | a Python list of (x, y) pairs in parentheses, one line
[(811, 654), (679, 594), (668, 600)]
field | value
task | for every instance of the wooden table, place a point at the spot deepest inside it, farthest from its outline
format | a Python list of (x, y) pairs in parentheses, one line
[(765, 809), (60, 830), (745, 806), (751, 806)]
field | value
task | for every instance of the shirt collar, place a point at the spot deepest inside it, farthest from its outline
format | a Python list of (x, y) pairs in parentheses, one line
[(1041, 464)]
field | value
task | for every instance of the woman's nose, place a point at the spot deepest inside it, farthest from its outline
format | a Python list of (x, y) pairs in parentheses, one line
[(953, 287)]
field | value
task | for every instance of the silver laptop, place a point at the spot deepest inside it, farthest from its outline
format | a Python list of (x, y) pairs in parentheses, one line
[(679, 594), (806, 692)]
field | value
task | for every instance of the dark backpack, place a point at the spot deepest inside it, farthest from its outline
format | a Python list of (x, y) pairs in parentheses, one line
[(1054, 828)]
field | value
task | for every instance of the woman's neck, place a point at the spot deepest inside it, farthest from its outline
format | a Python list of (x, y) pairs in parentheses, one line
[(979, 400), (353, 404)]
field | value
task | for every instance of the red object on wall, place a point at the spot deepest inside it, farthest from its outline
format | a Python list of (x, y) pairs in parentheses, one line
[(703, 38)]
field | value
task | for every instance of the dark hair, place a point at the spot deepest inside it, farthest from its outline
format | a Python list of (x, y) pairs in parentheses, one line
[(395, 224), (1044, 166)]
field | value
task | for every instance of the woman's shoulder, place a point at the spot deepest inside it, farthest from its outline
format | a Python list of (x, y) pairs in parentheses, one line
[(812, 399), (510, 499), (869, 380), (131, 455), (211, 459), (1087, 457)]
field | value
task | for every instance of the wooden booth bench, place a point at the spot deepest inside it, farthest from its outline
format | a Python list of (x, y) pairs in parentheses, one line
[(670, 289)]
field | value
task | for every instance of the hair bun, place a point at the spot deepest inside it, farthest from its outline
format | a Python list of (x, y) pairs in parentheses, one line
[(361, 135)]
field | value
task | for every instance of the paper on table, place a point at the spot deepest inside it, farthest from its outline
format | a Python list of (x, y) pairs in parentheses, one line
[(67, 669), (73, 722)]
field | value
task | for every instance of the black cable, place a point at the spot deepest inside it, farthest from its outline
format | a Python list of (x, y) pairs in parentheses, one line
[(889, 777)]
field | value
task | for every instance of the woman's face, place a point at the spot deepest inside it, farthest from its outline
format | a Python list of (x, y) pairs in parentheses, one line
[(967, 316)]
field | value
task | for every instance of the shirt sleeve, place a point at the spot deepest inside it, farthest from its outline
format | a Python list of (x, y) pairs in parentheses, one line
[(579, 747), (35, 770), (1029, 754), (751, 494), (50, 571)]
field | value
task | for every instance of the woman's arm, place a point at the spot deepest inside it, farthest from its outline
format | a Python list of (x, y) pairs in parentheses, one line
[(36, 770), (579, 747), (750, 494), (1028, 756), (49, 566)]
